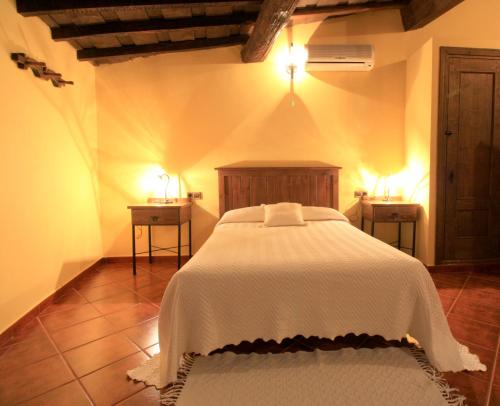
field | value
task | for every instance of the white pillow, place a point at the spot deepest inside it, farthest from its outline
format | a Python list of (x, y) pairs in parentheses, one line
[(255, 214), (251, 214), (312, 213), (283, 214)]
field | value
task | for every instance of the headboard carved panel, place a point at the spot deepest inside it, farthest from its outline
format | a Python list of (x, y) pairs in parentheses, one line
[(252, 183)]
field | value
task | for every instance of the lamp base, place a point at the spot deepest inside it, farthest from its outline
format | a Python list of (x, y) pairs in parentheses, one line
[(161, 200)]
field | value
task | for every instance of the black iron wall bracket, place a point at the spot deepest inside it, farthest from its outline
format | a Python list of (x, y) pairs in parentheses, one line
[(39, 69)]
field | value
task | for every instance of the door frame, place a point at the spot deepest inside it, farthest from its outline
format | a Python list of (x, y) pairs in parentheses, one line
[(444, 54)]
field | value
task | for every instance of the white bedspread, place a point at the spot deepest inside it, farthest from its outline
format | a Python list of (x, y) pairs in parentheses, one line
[(325, 279)]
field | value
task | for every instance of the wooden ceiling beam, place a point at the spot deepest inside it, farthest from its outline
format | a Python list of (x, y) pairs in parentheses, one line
[(347, 9), (42, 7), (419, 13), (72, 32), (273, 16), (107, 54)]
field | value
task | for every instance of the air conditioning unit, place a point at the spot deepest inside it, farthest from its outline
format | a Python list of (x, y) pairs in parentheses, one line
[(354, 58)]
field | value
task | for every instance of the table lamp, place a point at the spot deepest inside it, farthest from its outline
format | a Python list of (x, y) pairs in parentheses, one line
[(166, 179)]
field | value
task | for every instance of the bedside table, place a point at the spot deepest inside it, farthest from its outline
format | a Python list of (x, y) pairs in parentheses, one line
[(392, 211), (160, 214)]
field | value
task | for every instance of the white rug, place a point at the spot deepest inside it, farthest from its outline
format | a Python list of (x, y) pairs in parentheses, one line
[(375, 377)]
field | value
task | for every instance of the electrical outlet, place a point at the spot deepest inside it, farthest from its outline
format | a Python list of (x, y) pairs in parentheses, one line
[(195, 195)]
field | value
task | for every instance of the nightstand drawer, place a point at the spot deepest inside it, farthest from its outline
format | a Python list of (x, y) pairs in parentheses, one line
[(152, 216), (395, 214)]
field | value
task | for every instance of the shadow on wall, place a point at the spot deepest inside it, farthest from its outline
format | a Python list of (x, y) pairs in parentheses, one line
[(212, 118), (69, 270), (378, 89), (75, 113), (422, 244), (364, 84), (128, 121), (350, 27), (353, 213), (296, 123), (167, 131), (203, 227)]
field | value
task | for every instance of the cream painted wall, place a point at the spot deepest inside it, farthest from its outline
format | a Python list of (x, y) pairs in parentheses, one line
[(192, 112), (48, 168), (418, 130)]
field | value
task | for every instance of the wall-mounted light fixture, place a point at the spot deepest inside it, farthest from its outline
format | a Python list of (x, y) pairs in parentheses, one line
[(297, 57), (292, 62)]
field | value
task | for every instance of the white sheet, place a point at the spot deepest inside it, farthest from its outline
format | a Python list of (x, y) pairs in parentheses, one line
[(324, 279)]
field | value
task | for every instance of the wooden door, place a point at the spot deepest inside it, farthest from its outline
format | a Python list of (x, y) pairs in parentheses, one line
[(468, 199)]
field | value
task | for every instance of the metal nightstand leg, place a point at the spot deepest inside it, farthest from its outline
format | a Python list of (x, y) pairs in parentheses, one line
[(399, 236), (149, 244), (178, 246), (414, 238), (133, 250), (190, 245)]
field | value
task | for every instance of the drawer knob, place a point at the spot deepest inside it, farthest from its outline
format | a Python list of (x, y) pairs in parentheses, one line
[(155, 218)]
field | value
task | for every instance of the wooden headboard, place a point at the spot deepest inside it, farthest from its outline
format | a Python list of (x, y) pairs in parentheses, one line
[(245, 184)]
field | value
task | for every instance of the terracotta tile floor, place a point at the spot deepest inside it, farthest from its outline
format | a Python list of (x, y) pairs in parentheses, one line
[(78, 349)]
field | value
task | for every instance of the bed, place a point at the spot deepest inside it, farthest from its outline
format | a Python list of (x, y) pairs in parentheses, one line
[(324, 279)]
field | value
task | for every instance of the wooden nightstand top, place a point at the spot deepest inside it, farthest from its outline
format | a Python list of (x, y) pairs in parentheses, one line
[(159, 205), (384, 203)]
